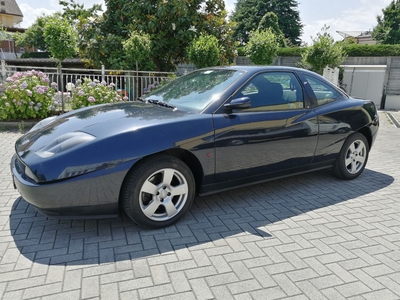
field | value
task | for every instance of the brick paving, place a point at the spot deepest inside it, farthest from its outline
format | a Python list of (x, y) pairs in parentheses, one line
[(306, 237)]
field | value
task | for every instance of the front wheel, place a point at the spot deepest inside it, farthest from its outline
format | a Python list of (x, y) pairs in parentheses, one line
[(352, 158), (158, 191)]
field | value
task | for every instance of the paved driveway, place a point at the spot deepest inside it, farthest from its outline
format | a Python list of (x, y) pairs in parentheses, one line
[(307, 237)]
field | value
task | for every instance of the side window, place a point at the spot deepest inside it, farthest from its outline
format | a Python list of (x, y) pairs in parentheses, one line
[(273, 91), (323, 92)]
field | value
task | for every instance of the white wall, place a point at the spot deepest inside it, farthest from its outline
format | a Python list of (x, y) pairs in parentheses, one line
[(392, 102)]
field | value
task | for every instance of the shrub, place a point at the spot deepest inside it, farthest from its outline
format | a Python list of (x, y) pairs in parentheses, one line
[(204, 51), (26, 95), (324, 52), (241, 51), (90, 92), (262, 47), (35, 55)]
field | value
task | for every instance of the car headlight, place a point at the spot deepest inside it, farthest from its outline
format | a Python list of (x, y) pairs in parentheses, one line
[(43, 123), (31, 175), (64, 143)]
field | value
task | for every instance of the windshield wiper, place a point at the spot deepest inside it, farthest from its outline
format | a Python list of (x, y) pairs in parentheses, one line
[(160, 103)]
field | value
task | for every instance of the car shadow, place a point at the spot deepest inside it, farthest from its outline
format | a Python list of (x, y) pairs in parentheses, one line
[(245, 212)]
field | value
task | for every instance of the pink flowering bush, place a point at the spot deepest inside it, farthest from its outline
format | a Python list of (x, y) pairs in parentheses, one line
[(90, 92), (26, 95)]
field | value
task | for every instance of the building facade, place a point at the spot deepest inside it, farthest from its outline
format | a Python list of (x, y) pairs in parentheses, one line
[(10, 18)]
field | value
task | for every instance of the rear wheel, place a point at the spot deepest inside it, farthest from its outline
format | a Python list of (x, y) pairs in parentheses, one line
[(158, 191), (352, 158)]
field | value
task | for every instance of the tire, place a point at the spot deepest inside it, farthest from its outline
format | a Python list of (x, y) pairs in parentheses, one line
[(352, 158), (158, 191)]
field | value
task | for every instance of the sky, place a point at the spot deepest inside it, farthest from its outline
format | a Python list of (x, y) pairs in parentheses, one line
[(339, 15)]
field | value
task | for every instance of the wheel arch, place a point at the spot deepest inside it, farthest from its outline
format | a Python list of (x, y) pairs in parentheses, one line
[(365, 131), (184, 155), (191, 161)]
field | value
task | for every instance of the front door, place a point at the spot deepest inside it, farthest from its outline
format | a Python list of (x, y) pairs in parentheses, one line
[(278, 132)]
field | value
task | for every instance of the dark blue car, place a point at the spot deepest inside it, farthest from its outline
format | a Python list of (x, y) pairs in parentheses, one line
[(211, 130)]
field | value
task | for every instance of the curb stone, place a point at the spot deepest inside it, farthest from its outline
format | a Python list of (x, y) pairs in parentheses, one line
[(22, 125)]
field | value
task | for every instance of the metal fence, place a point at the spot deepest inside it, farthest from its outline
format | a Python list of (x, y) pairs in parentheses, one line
[(128, 83)]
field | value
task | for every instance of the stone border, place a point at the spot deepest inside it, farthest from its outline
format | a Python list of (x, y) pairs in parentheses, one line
[(21, 125)]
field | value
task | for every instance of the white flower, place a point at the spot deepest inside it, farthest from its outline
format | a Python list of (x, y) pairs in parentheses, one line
[(192, 28), (173, 26)]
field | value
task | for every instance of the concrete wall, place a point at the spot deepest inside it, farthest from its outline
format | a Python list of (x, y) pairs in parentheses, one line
[(289, 61)]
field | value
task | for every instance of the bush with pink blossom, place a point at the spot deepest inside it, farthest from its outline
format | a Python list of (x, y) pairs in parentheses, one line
[(94, 92), (26, 95)]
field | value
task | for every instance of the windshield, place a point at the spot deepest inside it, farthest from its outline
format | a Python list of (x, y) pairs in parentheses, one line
[(195, 91)]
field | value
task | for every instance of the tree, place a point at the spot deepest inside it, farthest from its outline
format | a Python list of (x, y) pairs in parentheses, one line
[(77, 16), (171, 25), (4, 35), (270, 20), (262, 47), (204, 51), (33, 36), (76, 12), (323, 52), (60, 37), (248, 14), (220, 27), (388, 29), (138, 49), (86, 22)]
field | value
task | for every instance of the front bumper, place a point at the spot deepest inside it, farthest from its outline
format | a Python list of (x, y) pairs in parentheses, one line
[(92, 194)]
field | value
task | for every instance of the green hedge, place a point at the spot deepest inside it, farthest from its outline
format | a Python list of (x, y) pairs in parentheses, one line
[(241, 51), (35, 55), (292, 51), (351, 50), (372, 50)]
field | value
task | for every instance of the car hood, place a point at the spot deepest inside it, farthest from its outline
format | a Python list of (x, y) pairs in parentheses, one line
[(101, 121), (112, 136)]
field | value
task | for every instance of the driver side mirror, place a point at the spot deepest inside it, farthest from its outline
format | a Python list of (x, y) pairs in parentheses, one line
[(238, 103)]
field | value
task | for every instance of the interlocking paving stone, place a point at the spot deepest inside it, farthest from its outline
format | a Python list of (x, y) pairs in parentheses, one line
[(306, 237)]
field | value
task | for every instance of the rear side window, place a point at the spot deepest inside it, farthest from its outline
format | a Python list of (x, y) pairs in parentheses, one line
[(323, 92)]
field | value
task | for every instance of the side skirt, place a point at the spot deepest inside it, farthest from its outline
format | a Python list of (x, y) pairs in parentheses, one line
[(238, 183)]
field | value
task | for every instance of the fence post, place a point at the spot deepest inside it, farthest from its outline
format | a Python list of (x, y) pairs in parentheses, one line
[(103, 72), (61, 81), (3, 70)]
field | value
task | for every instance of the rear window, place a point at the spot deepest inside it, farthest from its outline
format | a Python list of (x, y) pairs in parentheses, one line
[(323, 92)]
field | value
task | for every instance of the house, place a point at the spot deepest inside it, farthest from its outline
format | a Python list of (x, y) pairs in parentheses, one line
[(361, 37), (10, 18), (10, 15)]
